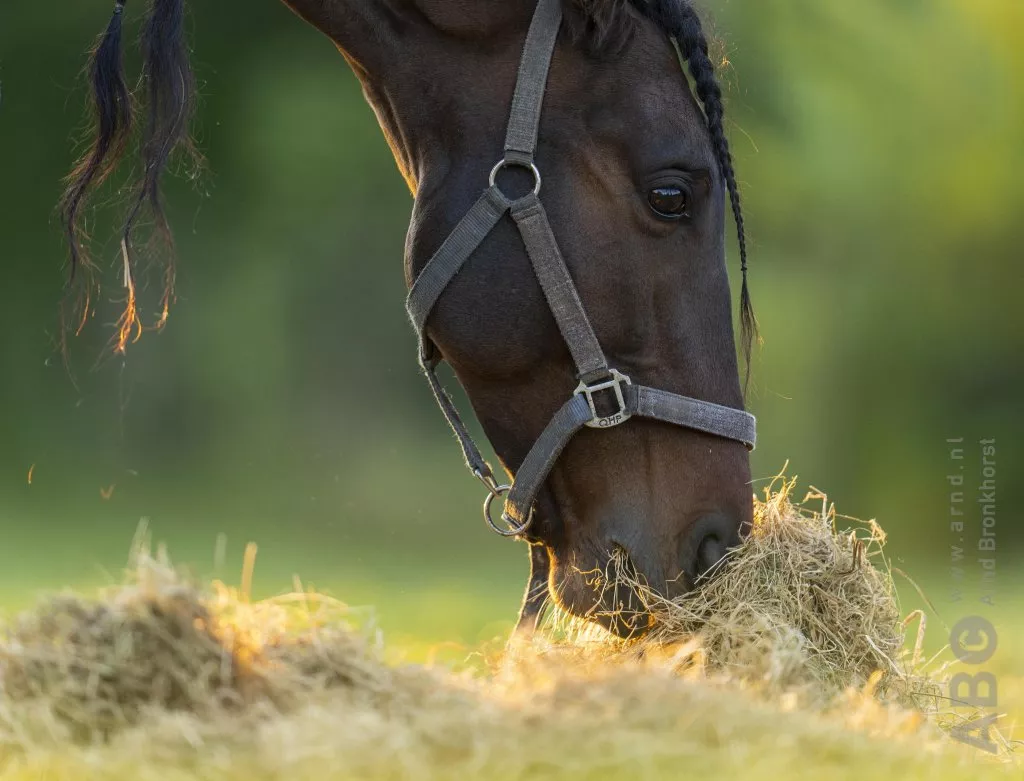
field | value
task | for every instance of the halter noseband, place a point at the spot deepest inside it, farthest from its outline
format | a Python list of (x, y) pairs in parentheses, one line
[(594, 374)]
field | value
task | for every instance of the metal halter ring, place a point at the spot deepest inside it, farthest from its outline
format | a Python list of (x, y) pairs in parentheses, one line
[(512, 531), (503, 164)]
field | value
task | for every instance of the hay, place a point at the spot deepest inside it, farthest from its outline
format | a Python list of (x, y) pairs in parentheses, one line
[(789, 662), (799, 606), (160, 644)]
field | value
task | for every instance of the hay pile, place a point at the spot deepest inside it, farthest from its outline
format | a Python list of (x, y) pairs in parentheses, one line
[(83, 670), (772, 669)]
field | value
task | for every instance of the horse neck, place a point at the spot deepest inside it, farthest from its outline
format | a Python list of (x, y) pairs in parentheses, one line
[(402, 53)]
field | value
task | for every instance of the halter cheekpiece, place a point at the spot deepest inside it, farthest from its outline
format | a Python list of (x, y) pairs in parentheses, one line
[(596, 378)]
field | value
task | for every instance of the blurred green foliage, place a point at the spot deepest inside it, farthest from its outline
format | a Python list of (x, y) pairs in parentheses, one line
[(880, 147)]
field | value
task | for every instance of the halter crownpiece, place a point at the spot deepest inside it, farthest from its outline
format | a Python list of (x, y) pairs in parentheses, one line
[(594, 374)]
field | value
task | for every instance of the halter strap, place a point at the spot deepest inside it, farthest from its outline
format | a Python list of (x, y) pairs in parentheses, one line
[(641, 401), (558, 287), (594, 374), (456, 249), (528, 100)]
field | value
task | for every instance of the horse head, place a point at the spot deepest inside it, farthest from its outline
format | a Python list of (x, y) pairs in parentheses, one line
[(637, 175)]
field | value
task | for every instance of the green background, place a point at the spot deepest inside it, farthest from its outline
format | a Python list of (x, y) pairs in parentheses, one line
[(880, 149)]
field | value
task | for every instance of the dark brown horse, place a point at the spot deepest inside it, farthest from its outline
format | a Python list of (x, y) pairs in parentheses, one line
[(636, 175)]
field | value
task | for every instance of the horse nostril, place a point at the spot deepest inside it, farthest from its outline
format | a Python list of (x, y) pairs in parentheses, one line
[(706, 543), (710, 552)]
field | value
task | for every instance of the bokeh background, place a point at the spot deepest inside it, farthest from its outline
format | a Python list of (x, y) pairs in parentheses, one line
[(880, 147)]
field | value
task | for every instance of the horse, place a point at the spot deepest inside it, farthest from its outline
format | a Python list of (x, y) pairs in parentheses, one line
[(614, 294)]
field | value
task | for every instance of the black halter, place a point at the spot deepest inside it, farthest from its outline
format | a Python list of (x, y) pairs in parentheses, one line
[(594, 374)]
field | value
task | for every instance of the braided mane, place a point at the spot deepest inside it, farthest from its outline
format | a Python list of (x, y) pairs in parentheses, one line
[(606, 25)]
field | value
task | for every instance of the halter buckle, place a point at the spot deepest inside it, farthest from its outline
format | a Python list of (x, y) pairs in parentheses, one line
[(615, 382)]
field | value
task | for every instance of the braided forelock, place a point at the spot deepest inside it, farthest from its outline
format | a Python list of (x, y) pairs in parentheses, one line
[(681, 21)]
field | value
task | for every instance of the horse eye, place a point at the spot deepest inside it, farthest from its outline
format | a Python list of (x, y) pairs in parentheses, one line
[(669, 202)]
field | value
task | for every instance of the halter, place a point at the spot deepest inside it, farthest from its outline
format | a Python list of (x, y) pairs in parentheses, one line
[(595, 376)]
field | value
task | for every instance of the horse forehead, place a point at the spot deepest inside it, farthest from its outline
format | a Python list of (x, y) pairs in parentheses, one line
[(633, 104), (638, 94)]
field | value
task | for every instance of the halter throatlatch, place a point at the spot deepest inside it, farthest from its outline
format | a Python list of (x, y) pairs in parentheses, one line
[(596, 377)]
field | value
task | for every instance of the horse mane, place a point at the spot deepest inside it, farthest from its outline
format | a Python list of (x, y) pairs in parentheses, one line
[(680, 20), (169, 102), (167, 99), (606, 26)]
